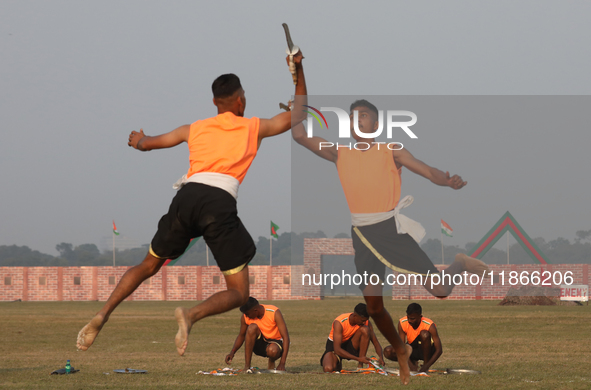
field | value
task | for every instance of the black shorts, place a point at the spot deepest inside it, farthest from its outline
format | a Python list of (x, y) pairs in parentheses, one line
[(417, 350), (347, 346), (201, 210), (260, 345), (379, 246)]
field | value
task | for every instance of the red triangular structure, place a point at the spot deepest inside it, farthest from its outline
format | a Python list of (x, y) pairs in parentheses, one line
[(170, 262), (508, 223)]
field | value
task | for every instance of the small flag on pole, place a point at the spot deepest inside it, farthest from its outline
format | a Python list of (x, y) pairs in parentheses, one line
[(274, 229), (446, 229), (115, 229)]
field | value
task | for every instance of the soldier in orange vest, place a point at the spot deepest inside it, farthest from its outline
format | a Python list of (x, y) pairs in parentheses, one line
[(263, 329), (422, 340), (221, 150), (349, 339)]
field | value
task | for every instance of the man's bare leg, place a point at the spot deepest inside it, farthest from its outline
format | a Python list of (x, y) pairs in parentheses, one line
[(462, 263), (390, 354), (128, 284), (426, 342), (471, 264), (360, 342), (330, 362), (252, 333), (378, 313), (236, 295), (274, 353), (413, 364)]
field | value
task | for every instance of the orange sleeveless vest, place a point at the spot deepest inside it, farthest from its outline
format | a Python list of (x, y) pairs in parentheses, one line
[(412, 333), (267, 324), (370, 179), (225, 143), (348, 329)]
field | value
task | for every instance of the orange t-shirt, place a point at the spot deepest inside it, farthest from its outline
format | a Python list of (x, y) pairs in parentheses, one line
[(370, 179), (348, 329), (225, 143), (267, 324), (412, 333)]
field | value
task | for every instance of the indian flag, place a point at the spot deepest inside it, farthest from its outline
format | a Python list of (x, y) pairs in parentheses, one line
[(115, 229), (446, 229), (274, 229)]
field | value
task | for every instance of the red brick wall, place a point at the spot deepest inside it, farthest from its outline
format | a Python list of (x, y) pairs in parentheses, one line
[(72, 292), (13, 291), (94, 283), (269, 282), (38, 292), (181, 292)]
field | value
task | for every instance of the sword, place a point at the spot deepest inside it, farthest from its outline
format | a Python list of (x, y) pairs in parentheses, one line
[(291, 51)]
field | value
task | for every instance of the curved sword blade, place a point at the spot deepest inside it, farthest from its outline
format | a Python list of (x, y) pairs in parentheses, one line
[(288, 37)]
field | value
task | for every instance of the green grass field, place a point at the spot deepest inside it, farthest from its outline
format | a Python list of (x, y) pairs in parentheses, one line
[(527, 347)]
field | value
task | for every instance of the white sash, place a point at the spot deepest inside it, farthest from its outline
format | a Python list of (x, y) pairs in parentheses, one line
[(225, 182), (404, 225)]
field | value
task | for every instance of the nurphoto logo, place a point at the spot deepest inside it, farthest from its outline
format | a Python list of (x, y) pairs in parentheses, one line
[(395, 119)]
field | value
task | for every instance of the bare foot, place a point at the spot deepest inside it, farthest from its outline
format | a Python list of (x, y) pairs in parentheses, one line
[(182, 336), (87, 335), (471, 265), (404, 369)]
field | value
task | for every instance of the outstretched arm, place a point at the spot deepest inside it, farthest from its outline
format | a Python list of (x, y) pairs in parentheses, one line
[(285, 336), (405, 158), (282, 122), (140, 141), (239, 340), (319, 146)]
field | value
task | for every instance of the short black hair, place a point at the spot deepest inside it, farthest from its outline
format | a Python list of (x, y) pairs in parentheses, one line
[(414, 308), (364, 103), (361, 309), (225, 85), (251, 303)]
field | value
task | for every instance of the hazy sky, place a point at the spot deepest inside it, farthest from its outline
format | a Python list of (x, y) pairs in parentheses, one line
[(77, 77)]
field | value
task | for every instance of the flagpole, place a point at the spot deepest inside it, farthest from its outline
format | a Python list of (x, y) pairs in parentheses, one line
[(207, 254), (441, 237), (270, 250), (113, 249)]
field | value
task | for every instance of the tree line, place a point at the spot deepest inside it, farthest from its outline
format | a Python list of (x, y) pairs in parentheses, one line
[(289, 249)]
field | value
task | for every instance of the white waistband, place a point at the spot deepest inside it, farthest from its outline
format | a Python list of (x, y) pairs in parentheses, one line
[(225, 182), (365, 219), (404, 225)]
